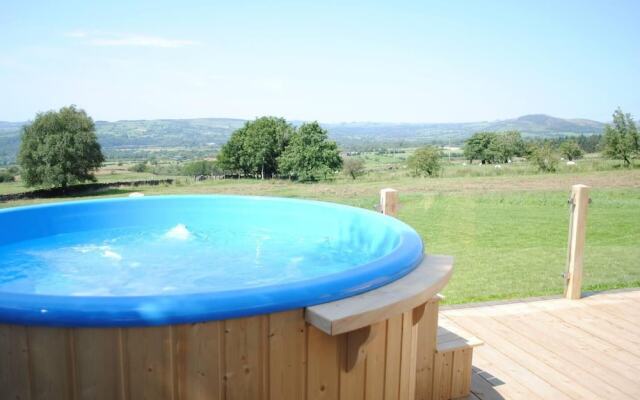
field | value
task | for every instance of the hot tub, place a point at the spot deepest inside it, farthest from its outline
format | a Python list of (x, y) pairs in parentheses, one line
[(201, 297)]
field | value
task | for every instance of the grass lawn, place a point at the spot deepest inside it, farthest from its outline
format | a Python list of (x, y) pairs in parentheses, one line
[(513, 244), (508, 234)]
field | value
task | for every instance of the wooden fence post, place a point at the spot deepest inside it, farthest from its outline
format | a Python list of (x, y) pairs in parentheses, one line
[(578, 203), (389, 202)]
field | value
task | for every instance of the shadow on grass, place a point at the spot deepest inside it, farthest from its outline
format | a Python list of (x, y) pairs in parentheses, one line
[(92, 193), (84, 190)]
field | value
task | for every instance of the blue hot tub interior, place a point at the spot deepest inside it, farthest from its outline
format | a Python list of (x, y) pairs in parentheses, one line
[(173, 259)]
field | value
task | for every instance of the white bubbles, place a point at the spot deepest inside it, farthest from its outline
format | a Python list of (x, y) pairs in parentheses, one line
[(178, 232), (105, 251)]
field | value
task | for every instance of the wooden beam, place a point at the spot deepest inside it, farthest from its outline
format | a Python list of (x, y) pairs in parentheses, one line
[(579, 204), (389, 202), (408, 292)]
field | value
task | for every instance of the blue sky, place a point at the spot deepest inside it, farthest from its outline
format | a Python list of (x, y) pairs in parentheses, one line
[(401, 61)]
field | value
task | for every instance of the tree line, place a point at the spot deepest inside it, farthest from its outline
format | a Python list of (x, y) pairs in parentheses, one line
[(620, 141), (60, 148)]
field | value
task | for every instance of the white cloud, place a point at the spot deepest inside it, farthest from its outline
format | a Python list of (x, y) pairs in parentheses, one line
[(101, 39)]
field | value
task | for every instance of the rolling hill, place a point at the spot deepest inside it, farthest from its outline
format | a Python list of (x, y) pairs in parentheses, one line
[(205, 135)]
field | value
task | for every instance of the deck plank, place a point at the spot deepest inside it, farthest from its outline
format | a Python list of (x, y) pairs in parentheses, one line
[(559, 356), (554, 348)]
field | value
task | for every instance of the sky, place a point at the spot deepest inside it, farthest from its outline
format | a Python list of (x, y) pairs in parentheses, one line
[(332, 61)]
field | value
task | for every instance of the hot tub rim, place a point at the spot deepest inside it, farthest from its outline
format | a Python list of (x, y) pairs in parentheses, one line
[(154, 310)]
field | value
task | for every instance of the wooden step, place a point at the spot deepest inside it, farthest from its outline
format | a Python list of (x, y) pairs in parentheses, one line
[(450, 340), (453, 363)]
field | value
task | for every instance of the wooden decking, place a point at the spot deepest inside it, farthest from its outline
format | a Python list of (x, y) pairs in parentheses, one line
[(555, 349)]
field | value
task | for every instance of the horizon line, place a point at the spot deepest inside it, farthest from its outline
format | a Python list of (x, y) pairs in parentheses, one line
[(332, 122)]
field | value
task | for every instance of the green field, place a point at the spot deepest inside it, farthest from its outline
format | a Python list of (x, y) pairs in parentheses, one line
[(507, 230)]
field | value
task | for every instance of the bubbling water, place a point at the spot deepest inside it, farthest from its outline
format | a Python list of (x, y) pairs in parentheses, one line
[(176, 259), (179, 232)]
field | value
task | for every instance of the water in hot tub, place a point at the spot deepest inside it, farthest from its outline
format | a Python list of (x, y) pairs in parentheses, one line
[(177, 259)]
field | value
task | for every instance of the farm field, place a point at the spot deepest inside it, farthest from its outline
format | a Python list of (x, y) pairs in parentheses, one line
[(507, 231)]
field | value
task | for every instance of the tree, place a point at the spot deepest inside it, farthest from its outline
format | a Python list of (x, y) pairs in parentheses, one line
[(571, 150), (353, 167), (310, 155), (425, 161), (505, 146), (621, 141), (231, 157), (490, 147), (475, 148), (254, 149), (59, 148), (544, 156)]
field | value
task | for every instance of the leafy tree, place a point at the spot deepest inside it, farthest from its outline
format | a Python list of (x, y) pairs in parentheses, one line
[(505, 146), (621, 140), (202, 167), (425, 161), (59, 148), (254, 149), (310, 155), (545, 157), (571, 150), (477, 147), (231, 157), (490, 147), (353, 167)]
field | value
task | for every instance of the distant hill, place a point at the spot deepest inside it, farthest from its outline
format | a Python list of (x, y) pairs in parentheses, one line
[(541, 124), (205, 135)]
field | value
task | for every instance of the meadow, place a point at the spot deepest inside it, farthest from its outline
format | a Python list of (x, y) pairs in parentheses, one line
[(506, 227)]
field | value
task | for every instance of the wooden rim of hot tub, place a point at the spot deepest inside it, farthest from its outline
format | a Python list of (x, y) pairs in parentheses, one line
[(406, 293)]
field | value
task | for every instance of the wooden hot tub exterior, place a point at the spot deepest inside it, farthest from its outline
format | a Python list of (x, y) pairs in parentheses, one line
[(377, 345)]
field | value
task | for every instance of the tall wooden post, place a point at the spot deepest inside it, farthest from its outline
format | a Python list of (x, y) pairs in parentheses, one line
[(389, 202), (578, 203)]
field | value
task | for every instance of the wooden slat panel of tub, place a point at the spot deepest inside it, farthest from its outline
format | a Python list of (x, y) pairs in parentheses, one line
[(376, 355), (323, 370), (287, 355), (408, 356), (149, 359), (98, 364), (427, 338), (277, 357), (393, 350), (246, 358), (353, 364), (50, 363), (14, 362), (199, 356)]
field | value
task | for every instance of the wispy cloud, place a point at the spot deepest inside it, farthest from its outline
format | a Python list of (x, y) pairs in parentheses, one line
[(119, 40)]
